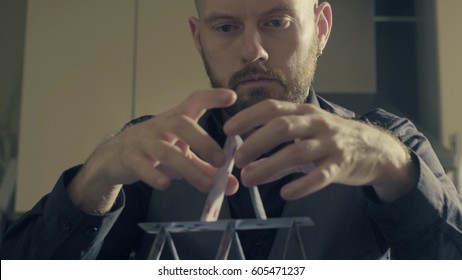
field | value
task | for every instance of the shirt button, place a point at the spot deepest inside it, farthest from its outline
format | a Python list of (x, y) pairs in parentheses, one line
[(66, 224), (91, 231), (257, 241)]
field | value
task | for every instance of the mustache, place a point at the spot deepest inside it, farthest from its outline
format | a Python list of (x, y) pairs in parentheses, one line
[(256, 69)]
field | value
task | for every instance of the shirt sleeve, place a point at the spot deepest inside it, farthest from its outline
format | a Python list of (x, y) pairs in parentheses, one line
[(55, 229), (426, 223)]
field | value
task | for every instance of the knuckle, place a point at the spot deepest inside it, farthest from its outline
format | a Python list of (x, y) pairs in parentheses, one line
[(325, 175), (347, 159), (283, 125), (329, 173), (308, 108), (272, 105), (163, 156), (299, 153), (180, 123), (336, 146), (322, 122)]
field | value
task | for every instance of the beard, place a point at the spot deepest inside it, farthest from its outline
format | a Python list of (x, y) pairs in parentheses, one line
[(295, 89)]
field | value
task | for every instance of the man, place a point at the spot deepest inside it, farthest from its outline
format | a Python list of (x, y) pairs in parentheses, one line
[(376, 183)]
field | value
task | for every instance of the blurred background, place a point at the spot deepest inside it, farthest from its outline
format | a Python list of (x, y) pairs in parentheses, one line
[(74, 72)]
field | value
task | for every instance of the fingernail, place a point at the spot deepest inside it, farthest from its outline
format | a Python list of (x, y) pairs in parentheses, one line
[(228, 128), (162, 183), (246, 181), (287, 194)]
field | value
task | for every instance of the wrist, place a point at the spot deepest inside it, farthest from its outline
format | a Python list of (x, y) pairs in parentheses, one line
[(398, 174), (92, 195)]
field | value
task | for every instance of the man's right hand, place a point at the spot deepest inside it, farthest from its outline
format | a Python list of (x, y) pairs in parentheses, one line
[(171, 143)]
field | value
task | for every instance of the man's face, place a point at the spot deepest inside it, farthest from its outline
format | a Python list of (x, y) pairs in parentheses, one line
[(260, 48)]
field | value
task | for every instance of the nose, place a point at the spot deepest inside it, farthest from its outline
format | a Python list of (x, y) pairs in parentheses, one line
[(252, 47)]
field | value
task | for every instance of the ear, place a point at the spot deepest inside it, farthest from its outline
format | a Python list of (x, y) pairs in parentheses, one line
[(323, 14), (194, 24)]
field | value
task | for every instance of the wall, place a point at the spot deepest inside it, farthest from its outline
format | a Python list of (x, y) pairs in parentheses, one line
[(450, 64), (12, 28), (348, 62), (76, 89), (169, 67), (450, 44)]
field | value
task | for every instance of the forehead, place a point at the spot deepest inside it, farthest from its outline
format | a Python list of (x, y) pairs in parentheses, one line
[(254, 8)]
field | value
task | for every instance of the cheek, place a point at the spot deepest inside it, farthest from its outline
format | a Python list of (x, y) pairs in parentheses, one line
[(222, 59), (288, 50), (291, 61), (302, 50), (218, 49)]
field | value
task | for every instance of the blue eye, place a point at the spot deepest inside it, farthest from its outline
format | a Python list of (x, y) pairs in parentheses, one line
[(226, 28), (277, 23)]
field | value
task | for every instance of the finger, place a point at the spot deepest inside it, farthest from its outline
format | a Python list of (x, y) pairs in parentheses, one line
[(172, 175), (263, 112), (294, 157), (277, 131), (304, 168), (196, 138), (198, 102), (316, 180), (232, 184), (172, 158), (157, 178), (183, 146), (249, 179), (145, 170)]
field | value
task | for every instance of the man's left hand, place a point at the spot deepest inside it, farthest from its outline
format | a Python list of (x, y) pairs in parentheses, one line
[(333, 149)]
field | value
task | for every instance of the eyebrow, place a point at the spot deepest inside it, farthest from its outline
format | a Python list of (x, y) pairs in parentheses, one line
[(209, 19), (218, 16)]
